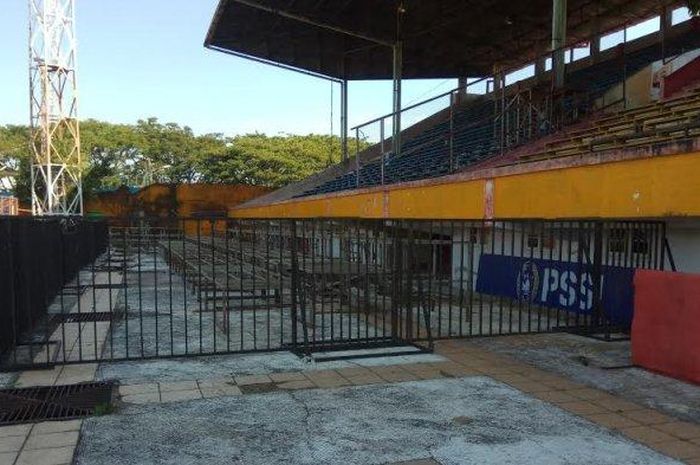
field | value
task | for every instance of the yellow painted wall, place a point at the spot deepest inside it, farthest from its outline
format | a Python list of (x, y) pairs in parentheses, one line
[(171, 200), (662, 186)]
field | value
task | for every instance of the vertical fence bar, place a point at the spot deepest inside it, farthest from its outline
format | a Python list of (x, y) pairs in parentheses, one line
[(293, 277), (215, 284), (171, 227), (185, 268)]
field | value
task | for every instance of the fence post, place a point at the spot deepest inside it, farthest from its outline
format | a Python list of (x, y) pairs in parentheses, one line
[(395, 284), (295, 278), (598, 317)]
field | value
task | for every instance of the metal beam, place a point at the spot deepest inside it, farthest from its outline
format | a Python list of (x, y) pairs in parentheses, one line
[(558, 41), (396, 120), (344, 118), (263, 61), (397, 66)]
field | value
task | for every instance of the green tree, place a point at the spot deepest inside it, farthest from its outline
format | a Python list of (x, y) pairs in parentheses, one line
[(272, 161), (149, 151)]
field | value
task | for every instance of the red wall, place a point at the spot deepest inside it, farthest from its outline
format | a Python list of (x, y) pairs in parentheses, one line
[(684, 76), (666, 325)]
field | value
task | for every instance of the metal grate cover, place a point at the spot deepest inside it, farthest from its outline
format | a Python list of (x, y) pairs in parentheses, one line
[(26, 405)]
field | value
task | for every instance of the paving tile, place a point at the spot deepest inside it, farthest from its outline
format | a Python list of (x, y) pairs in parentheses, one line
[(294, 385), (678, 449), (74, 374), (647, 435), (352, 372), (459, 371), (149, 398), (284, 377), (52, 440), (510, 378), (57, 456), (48, 427), (430, 374), (252, 379), (189, 385), (325, 374), (563, 384), (680, 429), (692, 461), (7, 458), (364, 380), (611, 420), (554, 396), (647, 416), (14, 430), (394, 375), (38, 377), (617, 405), (215, 382), (179, 396), (131, 389), (330, 383), (581, 407), (220, 391), (530, 387), (11, 443), (587, 393)]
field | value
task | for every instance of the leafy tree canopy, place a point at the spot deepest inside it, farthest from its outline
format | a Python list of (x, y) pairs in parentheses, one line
[(150, 151)]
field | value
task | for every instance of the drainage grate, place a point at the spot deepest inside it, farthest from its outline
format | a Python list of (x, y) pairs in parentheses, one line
[(84, 317), (26, 405)]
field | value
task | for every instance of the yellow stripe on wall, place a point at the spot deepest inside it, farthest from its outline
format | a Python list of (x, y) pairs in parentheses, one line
[(663, 186)]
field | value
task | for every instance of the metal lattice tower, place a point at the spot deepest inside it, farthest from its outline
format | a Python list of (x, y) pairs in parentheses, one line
[(54, 128)]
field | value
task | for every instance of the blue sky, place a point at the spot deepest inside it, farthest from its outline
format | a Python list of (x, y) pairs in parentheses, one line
[(141, 58)]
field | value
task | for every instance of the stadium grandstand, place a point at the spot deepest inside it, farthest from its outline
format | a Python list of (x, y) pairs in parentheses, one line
[(569, 110)]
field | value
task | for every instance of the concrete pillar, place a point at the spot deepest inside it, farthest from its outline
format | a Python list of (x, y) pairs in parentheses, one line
[(498, 83), (595, 38), (462, 86), (666, 14), (540, 68), (558, 41)]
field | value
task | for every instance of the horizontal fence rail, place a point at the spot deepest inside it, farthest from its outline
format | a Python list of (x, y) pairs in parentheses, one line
[(148, 288)]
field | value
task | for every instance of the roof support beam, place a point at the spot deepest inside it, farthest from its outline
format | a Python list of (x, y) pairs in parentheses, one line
[(310, 21), (558, 41)]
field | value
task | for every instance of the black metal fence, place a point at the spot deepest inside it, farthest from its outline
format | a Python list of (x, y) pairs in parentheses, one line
[(163, 288), (38, 257)]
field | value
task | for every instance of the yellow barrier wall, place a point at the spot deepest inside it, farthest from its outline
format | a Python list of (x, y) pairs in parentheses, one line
[(171, 200), (661, 186)]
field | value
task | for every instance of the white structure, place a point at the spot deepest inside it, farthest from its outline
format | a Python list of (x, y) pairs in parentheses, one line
[(55, 134)]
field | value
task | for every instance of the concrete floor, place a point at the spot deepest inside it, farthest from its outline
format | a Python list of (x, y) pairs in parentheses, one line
[(605, 365), (216, 366), (472, 420)]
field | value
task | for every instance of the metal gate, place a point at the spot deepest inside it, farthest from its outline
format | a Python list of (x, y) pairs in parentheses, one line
[(148, 288)]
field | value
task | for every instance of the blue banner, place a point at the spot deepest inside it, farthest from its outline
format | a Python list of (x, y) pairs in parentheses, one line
[(557, 284)]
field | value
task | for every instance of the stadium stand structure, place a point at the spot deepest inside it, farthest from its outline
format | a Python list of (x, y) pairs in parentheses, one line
[(473, 127)]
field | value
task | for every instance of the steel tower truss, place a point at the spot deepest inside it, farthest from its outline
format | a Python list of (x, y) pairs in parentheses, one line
[(54, 130)]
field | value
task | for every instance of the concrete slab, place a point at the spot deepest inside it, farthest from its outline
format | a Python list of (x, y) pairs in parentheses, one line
[(375, 424), (218, 366), (604, 365)]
